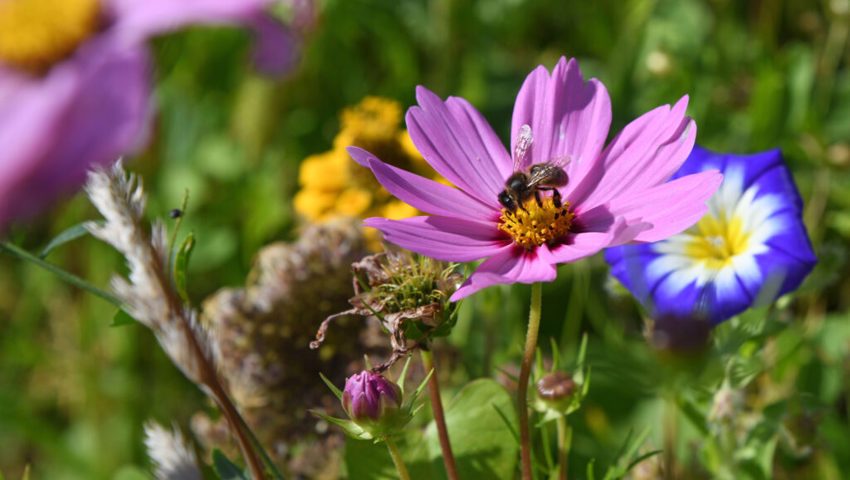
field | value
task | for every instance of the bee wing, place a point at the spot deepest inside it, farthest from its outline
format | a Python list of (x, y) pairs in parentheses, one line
[(546, 173), (561, 161), (523, 143)]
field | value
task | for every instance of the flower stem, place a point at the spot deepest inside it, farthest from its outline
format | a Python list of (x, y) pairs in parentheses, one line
[(524, 372), (399, 463), (64, 275), (670, 427), (210, 379), (439, 416), (565, 437)]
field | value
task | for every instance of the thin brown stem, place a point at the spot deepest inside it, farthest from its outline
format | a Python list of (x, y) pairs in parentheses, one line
[(211, 380), (439, 416), (524, 373)]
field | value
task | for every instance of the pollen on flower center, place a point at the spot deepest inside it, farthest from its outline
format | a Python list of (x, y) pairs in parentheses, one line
[(716, 240), (34, 34), (533, 225)]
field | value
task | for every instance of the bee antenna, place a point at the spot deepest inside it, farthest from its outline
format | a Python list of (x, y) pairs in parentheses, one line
[(523, 143)]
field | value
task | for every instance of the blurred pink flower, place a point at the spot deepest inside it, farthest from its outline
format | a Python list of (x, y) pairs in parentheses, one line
[(75, 84), (616, 195)]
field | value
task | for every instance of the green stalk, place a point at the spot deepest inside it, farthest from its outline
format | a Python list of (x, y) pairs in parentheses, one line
[(565, 437), (524, 373), (670, 429), (64, 275), (399, 463), (439, 416)]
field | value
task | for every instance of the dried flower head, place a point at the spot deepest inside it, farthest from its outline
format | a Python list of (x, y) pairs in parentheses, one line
[(263, 330), (149, 295), (408, 293)]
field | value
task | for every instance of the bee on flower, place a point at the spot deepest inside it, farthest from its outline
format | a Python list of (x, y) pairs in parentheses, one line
[(586, 198)]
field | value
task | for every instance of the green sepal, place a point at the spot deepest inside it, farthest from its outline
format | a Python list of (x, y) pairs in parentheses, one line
[(349, 427), (403, 376), (409, 402), (330, 385)]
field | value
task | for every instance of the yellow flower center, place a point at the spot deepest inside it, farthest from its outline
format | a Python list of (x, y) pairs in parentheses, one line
[(716, 241), (535, 224), (34, 34)]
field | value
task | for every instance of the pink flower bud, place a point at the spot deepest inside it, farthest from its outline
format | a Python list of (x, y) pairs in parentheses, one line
[(370, 396)]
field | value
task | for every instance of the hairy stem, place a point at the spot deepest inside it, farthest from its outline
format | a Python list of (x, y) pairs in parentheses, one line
[(399, 463), (439, 416), (525, 371)]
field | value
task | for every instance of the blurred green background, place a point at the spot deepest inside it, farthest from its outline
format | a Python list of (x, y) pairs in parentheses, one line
[(74, 392)]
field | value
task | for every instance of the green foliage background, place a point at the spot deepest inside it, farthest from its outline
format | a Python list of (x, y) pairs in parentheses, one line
[(74, 392)]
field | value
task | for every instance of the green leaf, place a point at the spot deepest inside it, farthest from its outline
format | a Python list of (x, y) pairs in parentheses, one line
[(64, 237), (122, 318), (483, 444), (508, 423), (181, 265), (225, 469)]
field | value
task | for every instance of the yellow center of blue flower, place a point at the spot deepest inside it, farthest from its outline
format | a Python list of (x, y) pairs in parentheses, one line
[(716, 240), (35, 34), (535, 225)]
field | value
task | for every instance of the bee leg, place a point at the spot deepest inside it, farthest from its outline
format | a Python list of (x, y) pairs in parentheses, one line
[(556, 198), (537, 197)]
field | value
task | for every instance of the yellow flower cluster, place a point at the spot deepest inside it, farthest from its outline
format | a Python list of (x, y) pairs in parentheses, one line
[(332, 185)]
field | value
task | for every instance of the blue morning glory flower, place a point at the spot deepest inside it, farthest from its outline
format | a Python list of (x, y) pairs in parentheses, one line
[(750, 248)]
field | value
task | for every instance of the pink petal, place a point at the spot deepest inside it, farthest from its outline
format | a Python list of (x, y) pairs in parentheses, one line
[(670, 207), (476, 132), (422, 193), (137, 20), (276, 48), (567, 116), (600, 229), (646, 153), (99, 111), (511, 264), (458, 143), (444, 238)]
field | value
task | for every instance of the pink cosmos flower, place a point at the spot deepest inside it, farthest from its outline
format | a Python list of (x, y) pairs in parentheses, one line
[(75, 84), (615, 195)]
